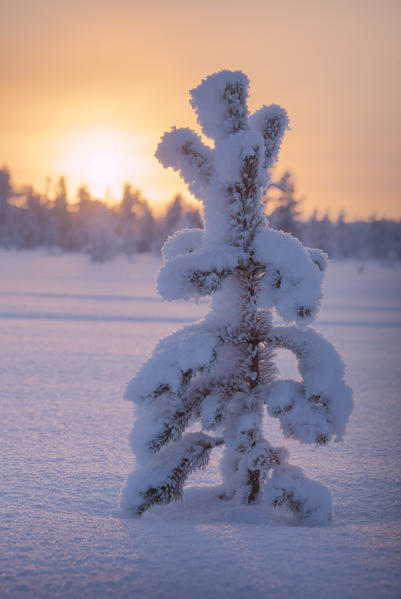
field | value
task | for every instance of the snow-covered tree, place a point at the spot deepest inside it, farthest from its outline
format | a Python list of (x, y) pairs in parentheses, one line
[(136, 223), (220, 371), (318, 232), (102, 240), (59, 217), (34, 222), (6, 191), (285, 214)]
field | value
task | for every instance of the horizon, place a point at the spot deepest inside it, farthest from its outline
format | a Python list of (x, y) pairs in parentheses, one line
[(99, 85), (48, 194)]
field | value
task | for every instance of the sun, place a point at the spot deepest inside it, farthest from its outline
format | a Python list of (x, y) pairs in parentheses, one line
[(102, 170), (103, 159)]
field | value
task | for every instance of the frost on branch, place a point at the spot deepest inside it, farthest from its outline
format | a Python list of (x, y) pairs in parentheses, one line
[(164, 480), (271, 122), (292, 281), (309, 500), (196, 274), (182, 242), (184, 151), (220, 103), (220, 372), (323, 394)]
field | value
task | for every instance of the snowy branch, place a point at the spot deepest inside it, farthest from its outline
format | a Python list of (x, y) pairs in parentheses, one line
[(324, 390), (308, 499), (220, 103), (271, 121), (198, 273), (292, 282), (184, 151), (163, 480), (175, 360)]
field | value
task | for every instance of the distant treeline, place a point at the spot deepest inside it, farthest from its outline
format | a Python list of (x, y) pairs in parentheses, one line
[(29, 219)]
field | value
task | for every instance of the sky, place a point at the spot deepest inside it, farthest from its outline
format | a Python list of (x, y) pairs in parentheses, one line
[(89, 86)]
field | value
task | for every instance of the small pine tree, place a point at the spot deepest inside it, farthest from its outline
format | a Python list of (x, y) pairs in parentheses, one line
[(220, 371)]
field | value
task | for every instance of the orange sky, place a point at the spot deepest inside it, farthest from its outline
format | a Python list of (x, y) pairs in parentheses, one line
[(81, 79)]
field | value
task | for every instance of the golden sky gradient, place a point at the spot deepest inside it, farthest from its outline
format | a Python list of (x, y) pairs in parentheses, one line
[(89, 86)]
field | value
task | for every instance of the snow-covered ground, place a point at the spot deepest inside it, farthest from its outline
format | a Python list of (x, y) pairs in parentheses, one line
[(72, 335)]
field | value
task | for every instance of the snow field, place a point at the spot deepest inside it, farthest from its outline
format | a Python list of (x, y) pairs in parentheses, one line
[(72, 335)]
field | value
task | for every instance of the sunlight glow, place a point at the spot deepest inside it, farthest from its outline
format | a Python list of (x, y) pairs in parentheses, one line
[(103, 159), (102, 169)]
